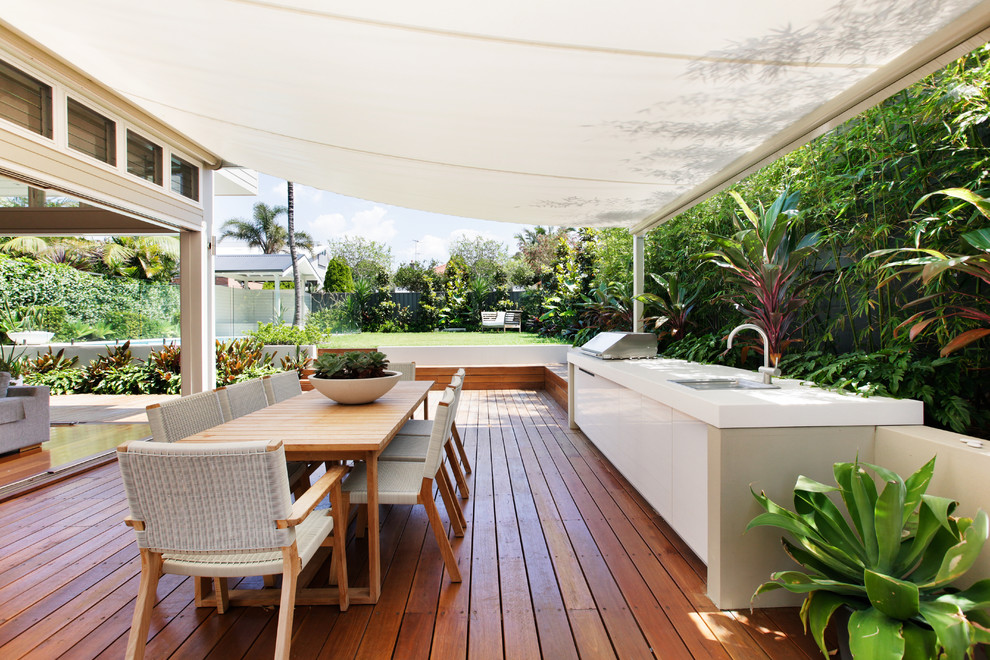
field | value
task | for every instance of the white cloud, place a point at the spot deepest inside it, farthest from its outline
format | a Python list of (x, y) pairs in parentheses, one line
[(373, 224)]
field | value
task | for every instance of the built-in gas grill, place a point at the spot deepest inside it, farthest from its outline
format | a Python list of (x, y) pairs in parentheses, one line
[(622, 345)]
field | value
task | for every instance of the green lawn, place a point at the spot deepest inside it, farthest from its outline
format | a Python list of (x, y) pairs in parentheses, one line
[(489, 338)]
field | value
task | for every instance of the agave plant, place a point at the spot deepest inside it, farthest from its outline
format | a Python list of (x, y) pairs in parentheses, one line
[(893, 566), (929, 265), (675, 301), (765, 258)]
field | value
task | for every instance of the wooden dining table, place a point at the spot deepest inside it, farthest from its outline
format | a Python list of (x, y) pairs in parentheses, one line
[(315, 428)]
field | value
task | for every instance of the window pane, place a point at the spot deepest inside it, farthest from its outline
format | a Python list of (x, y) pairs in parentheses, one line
[(144, 158), (185, 178), (92, 133), (25, 101)]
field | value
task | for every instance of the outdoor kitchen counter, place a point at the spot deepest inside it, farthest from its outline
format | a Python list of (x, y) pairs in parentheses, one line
[(793, 404), (695, 454)]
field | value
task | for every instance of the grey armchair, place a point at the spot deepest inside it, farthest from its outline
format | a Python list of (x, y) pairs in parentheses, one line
[(24, 418)]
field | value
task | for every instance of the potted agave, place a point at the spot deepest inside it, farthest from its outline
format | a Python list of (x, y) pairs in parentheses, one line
[(354, 377), (888, 561)]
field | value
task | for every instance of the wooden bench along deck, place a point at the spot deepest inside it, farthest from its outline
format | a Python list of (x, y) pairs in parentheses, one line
[(561, 559)]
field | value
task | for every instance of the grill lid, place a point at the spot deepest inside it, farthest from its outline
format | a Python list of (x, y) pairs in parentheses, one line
[(622, 345)]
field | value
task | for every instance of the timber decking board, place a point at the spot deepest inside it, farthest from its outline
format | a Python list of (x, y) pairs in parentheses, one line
[(561, 558)]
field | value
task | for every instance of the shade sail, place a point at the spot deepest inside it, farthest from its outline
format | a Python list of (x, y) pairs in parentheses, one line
[(556, 112)]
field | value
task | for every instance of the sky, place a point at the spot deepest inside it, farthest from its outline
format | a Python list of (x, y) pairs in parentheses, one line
[(325, 215)]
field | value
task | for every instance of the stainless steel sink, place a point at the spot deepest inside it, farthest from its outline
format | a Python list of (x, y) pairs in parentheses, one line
[(725, 384)]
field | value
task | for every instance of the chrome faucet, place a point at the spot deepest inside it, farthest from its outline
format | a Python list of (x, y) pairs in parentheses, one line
[(767, 371)]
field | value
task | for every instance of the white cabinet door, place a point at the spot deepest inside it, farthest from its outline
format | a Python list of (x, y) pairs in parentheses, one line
[(690, 482), (655, 464)]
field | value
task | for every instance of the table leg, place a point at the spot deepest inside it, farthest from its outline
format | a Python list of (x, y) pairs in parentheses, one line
[(374, 550)]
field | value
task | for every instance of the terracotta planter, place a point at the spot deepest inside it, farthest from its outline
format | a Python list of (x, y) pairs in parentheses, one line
[(353, 391)]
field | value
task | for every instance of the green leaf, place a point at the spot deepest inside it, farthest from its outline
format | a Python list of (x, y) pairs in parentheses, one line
[(864, 500), (960, 557), (980, 238), (976, 597), (895, 598), (916, 486), (801, 583), (919, 643), (873, 636), (817, 610), (951, 627), (888, 521)]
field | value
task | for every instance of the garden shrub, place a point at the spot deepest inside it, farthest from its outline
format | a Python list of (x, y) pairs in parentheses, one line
[(283, 333), (338, 277)]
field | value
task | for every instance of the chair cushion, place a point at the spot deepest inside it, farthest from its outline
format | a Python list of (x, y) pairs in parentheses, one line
[(407, 448), (417, 427), (4, 383), (310, 533), (11, 410), (398, 482)]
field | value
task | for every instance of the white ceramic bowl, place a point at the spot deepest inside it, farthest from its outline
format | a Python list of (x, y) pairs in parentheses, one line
[(355, 390)]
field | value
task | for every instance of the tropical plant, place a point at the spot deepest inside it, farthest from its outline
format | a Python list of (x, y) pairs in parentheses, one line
[(894, 566), (115, 362), (931, 265), (12, 361), (764, 258), (238, 359), (263, 230), (164, 367), (47, 362), (607, 307), (353, 364), (674, 300), (298, 362)]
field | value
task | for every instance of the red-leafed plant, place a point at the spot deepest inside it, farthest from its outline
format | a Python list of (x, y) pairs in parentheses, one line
[(765, 258), (971, 306)]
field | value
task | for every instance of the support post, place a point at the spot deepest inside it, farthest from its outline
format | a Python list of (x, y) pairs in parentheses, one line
[(277, 300), (639, 253), (198, 359)]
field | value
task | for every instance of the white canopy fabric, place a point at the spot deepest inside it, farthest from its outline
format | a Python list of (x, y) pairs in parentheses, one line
[(566, 112)]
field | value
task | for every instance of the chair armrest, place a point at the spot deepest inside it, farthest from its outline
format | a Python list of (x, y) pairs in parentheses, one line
[(305, 504), (35, 391)]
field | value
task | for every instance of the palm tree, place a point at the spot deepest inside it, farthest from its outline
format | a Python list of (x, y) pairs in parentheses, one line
[(263, 230), (290, 214)]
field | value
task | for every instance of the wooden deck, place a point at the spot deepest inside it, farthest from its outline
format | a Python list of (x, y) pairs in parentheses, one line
[(561, 559)]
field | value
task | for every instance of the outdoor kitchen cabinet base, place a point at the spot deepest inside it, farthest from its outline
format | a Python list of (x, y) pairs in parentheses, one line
[(698, 476)]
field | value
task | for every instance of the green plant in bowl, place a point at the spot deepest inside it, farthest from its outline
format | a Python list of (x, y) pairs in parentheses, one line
[(893, 566), (355, 364)]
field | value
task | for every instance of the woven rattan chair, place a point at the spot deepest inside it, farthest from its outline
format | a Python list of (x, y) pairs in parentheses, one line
[(412, 441), (407, 369), (280, 387), (423, 427), (180, 418), (403, 482), (242, 398), (189, 522)]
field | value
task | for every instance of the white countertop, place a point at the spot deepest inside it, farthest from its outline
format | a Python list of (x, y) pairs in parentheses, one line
[(793, 404)]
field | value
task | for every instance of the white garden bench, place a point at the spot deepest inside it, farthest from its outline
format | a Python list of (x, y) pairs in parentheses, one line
[(502, 320)]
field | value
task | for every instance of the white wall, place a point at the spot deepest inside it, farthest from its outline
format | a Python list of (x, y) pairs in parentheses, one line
[(478, 355)]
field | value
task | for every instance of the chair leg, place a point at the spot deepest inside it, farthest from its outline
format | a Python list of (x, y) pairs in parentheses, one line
[(426, 499), (338, 562), (460, 448), (223, 596), (455, 467), (151, 568), (457, 521), (290, 575), (362, 521)]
